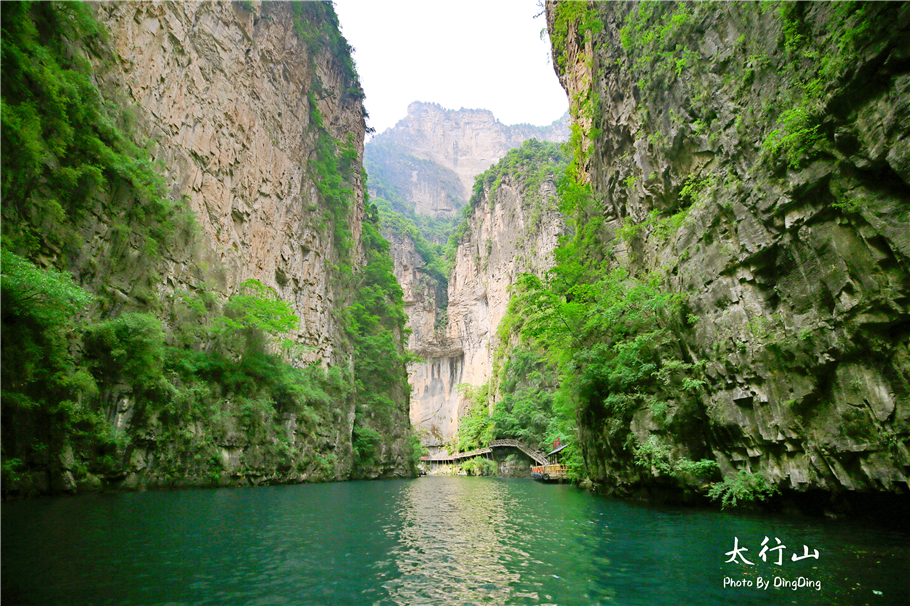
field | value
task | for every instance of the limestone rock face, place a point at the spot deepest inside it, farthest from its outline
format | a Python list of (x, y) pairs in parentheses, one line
[(424, 295), (224, 92), (796, 265), (512, 230), (432, 156), (429, 161)]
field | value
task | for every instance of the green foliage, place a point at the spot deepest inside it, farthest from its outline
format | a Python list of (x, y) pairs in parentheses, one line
[(655, 457), (67, 155), (332, 171), (814, 64), (9, 472), (475, 428), (38, 311), (743, 486), (65, 147), (478, 466), (692, 189), (128, 349), (581, 17), (366, 444), (610, 328), (796, 136), (44, 389), (252, 314), (243, 363), (417, 451), (375, 322), (375, 318), (664, 227), (526, 411), (609, 336), (46, 296), (531, 164), (317, 26), (655, 36)]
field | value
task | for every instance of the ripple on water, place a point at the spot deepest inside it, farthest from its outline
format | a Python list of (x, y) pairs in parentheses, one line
[(433, 541)]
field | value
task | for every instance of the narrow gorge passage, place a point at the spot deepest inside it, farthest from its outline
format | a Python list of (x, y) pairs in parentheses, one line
[(655, 251)]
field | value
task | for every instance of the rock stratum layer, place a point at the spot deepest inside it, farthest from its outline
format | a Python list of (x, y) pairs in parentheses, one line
[(779, 140)]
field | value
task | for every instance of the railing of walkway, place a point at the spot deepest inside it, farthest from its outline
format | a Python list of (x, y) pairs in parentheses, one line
[(458, 455), (534, 454)]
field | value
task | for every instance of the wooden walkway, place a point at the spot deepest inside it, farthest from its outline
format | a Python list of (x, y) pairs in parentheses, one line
[(458, 456), (451, 458), (534, 454)]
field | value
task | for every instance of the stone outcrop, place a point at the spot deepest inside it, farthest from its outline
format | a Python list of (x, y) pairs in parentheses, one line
[(431, 157), (425, 296), (794, 254)]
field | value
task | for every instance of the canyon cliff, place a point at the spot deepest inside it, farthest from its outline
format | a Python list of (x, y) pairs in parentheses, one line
[(223, 91), (256, 114), (513, 226), (429, 164), (754, 162)]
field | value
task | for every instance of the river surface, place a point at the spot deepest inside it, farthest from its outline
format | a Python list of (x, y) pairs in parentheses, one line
[(434, 541)]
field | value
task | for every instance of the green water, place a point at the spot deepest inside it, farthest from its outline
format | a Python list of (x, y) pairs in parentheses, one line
[(434, 540)]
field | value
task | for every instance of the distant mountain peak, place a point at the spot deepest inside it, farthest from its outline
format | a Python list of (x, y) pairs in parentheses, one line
[(461, 143)]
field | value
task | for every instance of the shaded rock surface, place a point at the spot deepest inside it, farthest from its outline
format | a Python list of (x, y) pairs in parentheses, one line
[(795, 266)]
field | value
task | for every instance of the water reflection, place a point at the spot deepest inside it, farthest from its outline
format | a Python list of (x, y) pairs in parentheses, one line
[(469, 541), (434, 541), (450, 548)]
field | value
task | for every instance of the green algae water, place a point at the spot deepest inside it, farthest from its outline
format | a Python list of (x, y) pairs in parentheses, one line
[(434, 541)]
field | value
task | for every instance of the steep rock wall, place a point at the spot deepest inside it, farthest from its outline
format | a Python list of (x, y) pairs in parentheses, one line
[(790, 125), (246, 106), (224, 92), (425, 297), (513, 229)]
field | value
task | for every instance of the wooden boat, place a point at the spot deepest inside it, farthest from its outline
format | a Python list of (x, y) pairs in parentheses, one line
[(549, 473), (552, 470)]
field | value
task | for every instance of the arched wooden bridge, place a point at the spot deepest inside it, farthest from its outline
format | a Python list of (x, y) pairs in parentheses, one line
[(460, 456)]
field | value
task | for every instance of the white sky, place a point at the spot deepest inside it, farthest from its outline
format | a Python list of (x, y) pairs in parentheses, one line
[(476, 54)]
